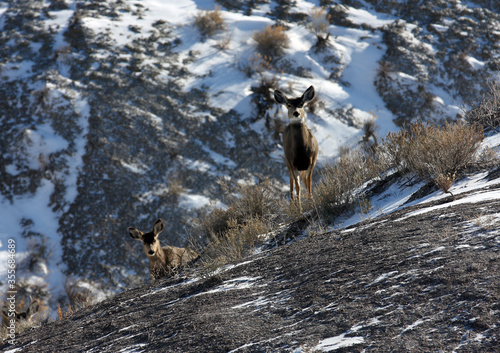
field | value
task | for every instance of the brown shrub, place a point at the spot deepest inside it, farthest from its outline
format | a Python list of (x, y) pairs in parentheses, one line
[(209, 22), (249, 202), (444, 182), (238, 241), (487, 111), (318, 25), (431, 152), (336, 192), (272, 41)]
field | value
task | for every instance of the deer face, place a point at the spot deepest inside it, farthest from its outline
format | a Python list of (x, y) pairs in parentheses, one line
[(150, 240), (295, 106)]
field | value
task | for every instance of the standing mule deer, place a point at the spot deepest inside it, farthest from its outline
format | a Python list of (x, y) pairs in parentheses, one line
[(299, 143), (162, 260)]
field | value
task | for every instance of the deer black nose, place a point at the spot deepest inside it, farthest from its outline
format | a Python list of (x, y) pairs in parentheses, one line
[(296, 114), (151, 252)]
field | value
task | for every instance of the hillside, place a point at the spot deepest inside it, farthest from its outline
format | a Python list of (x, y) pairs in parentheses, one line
[(116, 113), (423, 278)]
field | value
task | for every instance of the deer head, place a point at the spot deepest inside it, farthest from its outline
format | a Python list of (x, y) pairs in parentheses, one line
[(295, 106), (152, 246)]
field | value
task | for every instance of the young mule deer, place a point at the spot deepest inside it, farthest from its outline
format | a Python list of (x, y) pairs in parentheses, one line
[(12, 318), (299, 143), (162, 260)]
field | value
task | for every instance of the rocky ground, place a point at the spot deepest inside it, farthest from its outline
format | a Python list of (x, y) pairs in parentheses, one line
[(420, 279)]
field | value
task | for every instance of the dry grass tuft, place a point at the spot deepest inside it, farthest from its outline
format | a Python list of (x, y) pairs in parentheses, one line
[(78, 295), (232, 233), (62, 314), (444, 182), (237, 242)]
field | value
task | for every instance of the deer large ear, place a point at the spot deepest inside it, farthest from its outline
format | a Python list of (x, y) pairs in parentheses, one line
[(135, 233), (280, 97), (308, 94), (158, 227)]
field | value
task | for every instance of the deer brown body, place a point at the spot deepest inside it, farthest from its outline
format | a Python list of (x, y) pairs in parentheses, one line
[(162, 260), (300, 145)]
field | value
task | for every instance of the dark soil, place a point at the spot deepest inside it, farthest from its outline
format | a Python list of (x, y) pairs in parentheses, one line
[(426, 282)]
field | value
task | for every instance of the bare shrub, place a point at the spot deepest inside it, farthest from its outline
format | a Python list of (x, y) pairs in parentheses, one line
[(444, 182), (209, 22), (224, 43), (78, 295), (431, 152), (272, 41), (268, 80), (238, 241), (487, 111), (318, 25), (336, 192), (233, 233), (385, 69), (39, 251), (370, 140), (249, 202)]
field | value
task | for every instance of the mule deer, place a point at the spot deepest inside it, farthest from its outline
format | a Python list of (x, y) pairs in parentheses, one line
[(162, 260), (299, 143), (11, 317)]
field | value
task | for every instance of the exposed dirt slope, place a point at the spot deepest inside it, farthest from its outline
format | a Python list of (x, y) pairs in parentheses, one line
[(405, 282)]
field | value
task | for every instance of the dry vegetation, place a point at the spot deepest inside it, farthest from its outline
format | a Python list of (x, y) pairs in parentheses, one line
[(210, 22), (433, 153), (272, 41), (486, 112), (268, 79), (336, 193), (232, 233), (427, 152), (318, 25)]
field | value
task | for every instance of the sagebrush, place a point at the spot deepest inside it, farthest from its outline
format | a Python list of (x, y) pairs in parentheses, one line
[(431, 152), (486, 112), (336, 192), (209, 22), (272, 41)]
